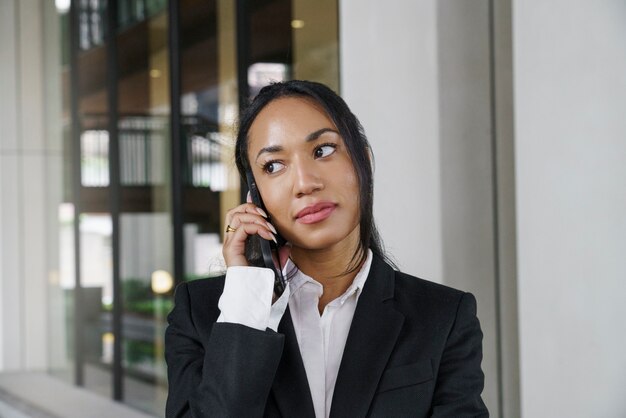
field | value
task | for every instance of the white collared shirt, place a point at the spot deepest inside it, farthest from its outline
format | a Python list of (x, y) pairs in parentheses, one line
[(321, 338)]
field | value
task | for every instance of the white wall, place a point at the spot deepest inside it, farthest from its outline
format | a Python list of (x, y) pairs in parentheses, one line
[(389, 79), (417, 74), (570, 111), (22, 188), (10, 318), (399, 66), (8, 267)]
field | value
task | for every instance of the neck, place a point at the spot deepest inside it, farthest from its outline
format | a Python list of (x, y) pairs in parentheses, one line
[(330, 267)]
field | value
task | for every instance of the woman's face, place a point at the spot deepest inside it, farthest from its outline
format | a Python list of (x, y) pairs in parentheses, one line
[(305, 175)]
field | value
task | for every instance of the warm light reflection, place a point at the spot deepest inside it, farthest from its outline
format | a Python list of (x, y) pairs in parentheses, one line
[(62, 5), (107, 347), (297, 24), (161, 282)]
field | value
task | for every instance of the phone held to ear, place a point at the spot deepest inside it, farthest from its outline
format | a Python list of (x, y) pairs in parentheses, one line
[(269, 249)]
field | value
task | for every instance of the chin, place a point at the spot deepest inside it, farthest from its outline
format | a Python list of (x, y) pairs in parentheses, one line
[(313, 243), (320, 239)]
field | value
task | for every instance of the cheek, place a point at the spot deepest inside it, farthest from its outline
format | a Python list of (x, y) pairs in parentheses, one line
[(351, 182), (352, 193), (275, 202)]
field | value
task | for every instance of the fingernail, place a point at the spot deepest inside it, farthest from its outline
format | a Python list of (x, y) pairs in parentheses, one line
[(261, 212), (274, 239), (271, 227)]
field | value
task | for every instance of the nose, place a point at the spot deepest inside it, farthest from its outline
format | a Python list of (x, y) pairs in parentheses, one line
[(306, 178)]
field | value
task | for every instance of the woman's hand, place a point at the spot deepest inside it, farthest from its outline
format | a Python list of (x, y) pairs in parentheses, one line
[(243, 221)]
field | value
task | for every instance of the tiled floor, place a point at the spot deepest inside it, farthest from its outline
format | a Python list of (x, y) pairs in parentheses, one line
[(12, 406), (39, 395), (7, 411)]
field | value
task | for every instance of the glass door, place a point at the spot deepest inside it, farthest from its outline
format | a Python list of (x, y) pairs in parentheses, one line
[(92, 193), (146, 254), (153, 93)]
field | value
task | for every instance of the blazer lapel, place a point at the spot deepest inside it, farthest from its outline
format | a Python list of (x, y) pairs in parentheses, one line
[(372, 336), (291, 387)]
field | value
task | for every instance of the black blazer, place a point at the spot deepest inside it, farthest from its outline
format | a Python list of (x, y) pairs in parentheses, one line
[(414, 350)]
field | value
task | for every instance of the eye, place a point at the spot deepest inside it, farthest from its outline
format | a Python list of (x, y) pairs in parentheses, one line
[(325, 150), (272, 167)]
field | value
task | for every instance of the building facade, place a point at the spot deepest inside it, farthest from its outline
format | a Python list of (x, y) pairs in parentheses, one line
[(498, 134)]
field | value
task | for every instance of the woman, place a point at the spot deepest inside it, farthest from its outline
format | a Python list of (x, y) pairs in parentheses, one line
[(349, 336)]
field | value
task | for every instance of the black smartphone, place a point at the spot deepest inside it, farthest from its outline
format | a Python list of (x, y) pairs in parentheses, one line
[(268, 249)]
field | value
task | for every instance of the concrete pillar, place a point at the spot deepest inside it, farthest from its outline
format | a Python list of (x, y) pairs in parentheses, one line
[(23, 275), (429, 79), (570, 158)]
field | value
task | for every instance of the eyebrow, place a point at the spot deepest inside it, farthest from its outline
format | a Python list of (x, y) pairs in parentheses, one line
[(310, 137), (313, 136)]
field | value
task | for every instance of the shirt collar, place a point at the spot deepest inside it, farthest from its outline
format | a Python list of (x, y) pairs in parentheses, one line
[(299, 279)]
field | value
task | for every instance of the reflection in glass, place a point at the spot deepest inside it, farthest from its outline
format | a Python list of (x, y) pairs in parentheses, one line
[(260, 74), (61, 291), (143, 150), (97, 296), (208, 106), (145, 223), (60, 219), (285, 39), (145, 262), (94, 219), (315, 38), (95, 158), (91, 17)]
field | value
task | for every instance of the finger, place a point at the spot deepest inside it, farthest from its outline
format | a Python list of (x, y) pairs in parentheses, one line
[(247, 229), (249, 224), (235, 242), (245, 208), (250, 218), (246, 218)]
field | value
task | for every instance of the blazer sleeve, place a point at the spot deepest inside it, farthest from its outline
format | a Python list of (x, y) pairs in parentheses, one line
[(227, 372), (460, 379)]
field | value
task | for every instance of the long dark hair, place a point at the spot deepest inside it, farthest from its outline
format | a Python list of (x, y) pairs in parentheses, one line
[(353, 136)]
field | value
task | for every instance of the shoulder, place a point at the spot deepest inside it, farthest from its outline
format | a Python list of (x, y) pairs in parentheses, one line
[(426, 298), (410, 291), (406, 283), (198, 295), (434, 312), (209, 284), (202, 286)]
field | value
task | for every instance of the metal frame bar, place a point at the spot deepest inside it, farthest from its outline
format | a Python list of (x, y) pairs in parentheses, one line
[(494, 194), (242, 29), (504, 233), (76, 186), (114, 196), (177, 157)]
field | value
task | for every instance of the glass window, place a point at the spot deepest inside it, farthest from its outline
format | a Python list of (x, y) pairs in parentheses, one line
[(127, 195), (145, 226)]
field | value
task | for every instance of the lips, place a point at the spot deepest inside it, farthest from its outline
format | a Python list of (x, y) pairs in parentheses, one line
[(315, 213)]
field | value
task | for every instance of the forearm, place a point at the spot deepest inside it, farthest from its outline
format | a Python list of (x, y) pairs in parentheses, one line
[(217, 369), (238, 371)]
